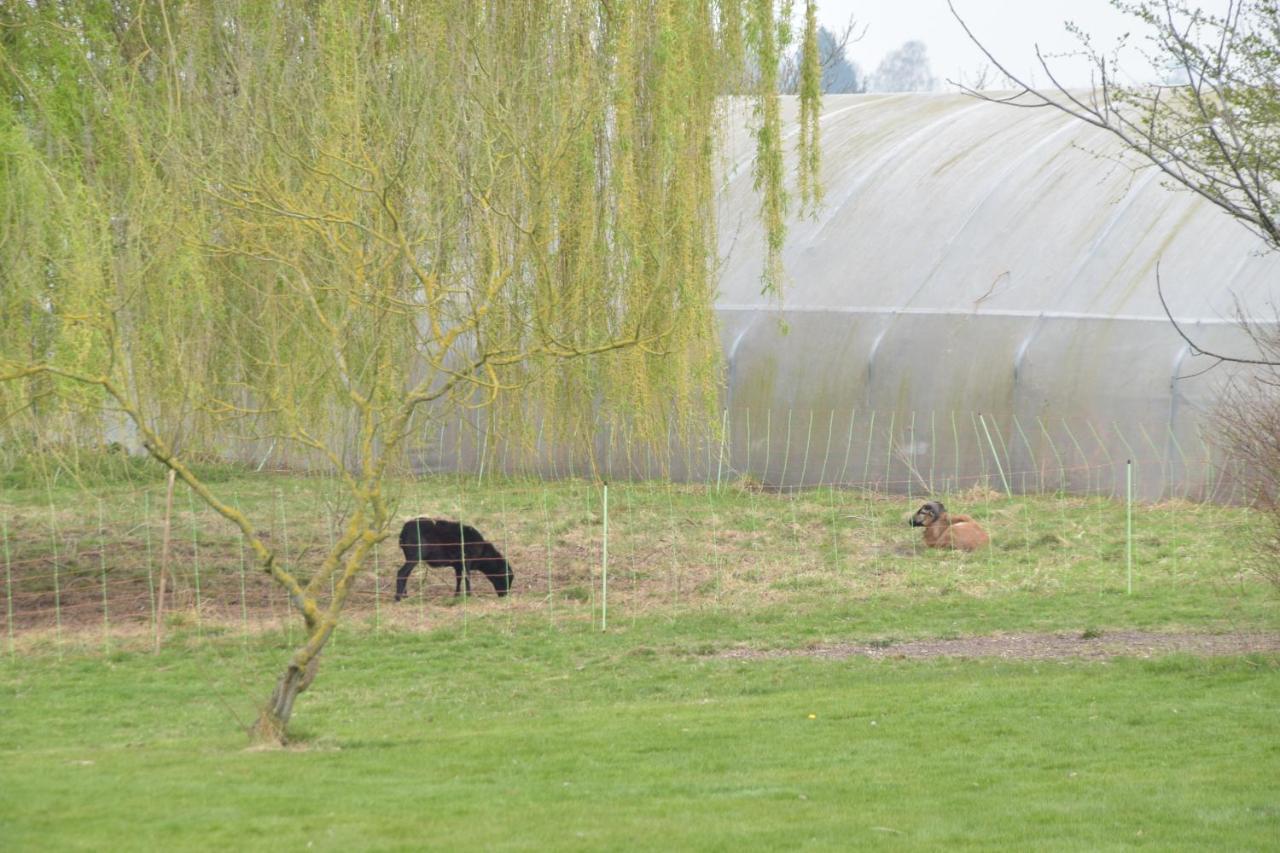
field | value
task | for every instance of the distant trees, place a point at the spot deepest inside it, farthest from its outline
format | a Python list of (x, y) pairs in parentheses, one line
[(839, 75), (321, 224), (904, 70)]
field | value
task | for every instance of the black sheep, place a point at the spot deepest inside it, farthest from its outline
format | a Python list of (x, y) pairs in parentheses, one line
[(437, 542)]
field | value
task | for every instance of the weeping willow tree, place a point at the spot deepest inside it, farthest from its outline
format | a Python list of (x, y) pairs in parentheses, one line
[(313, 223)]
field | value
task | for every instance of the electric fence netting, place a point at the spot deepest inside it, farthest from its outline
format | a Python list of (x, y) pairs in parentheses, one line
[(765, 507)]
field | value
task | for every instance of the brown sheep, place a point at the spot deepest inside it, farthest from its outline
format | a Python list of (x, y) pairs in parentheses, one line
[(947, 530)]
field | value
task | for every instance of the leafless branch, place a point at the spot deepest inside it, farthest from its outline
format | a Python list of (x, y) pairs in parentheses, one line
[(1155, 129), (1198, 350)]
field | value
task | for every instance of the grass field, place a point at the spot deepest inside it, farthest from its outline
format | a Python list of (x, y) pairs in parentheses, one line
[(83, 567), (518, 723)]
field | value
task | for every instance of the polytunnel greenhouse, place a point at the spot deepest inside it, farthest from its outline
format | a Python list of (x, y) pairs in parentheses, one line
[(982, 281), (975, 303)]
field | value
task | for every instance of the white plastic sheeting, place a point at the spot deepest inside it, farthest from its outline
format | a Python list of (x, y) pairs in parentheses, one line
[(979, 269)]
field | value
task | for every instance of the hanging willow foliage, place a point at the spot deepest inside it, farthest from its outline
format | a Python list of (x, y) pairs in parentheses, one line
[(809, 154), (246, 219), (205, 186)]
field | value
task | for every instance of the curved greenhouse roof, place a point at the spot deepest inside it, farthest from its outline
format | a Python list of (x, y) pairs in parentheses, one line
[(983, 280)]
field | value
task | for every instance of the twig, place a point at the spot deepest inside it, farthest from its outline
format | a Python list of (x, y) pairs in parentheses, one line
[(1196, 349)]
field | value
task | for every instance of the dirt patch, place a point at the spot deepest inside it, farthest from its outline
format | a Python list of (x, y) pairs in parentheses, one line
[(1105, 645)]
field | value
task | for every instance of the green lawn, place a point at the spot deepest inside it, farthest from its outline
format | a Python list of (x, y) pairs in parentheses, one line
[(530, 738), (518, 723)]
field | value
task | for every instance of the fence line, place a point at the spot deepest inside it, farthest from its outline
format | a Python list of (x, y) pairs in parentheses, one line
[(778, 507), (802, 447), (784, 519), (8, 579)]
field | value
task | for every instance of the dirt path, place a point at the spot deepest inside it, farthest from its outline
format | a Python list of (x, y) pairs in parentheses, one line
[(1107, 644)]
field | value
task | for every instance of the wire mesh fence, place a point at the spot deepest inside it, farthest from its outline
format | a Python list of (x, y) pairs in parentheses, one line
[(135, 563), (912, 452)]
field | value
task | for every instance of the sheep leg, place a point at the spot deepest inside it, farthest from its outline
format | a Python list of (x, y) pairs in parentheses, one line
[(402, 578)]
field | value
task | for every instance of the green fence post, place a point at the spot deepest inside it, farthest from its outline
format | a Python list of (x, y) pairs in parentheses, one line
[(1053, 448), (8, 580), (604, 565), (1127, 446), (676, 580), (826, 455), (908, 455), (102, 567), (1182, 457), (546, 525), (151, 585), (483, 452), (57, 580), (195, 551), (724, 436), (808, 439), (933, 449), (1161, 460), (244, 596), (768, 444), (866, 461), (1004, 445), (888, 456), (995, 453), (1031, 455), (786, 454), (1084, 460), (377, 593), (848, 446), (1129, 521), (284, 551), (955, 438), (466, 569)]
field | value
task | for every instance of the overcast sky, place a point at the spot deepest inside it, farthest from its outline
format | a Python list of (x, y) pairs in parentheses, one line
[(1009, 28)]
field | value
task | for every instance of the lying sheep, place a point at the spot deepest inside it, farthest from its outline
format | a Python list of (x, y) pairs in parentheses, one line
[(945, 530)]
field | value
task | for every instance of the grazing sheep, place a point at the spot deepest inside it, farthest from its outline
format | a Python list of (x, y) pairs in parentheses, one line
[(437, 542), (946, 530)]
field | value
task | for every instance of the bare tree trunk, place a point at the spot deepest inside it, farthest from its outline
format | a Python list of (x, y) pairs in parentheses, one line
[(271, 728), (273, 719)]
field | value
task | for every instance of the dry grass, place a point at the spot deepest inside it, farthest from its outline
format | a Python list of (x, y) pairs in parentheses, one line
[(76, 573)]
